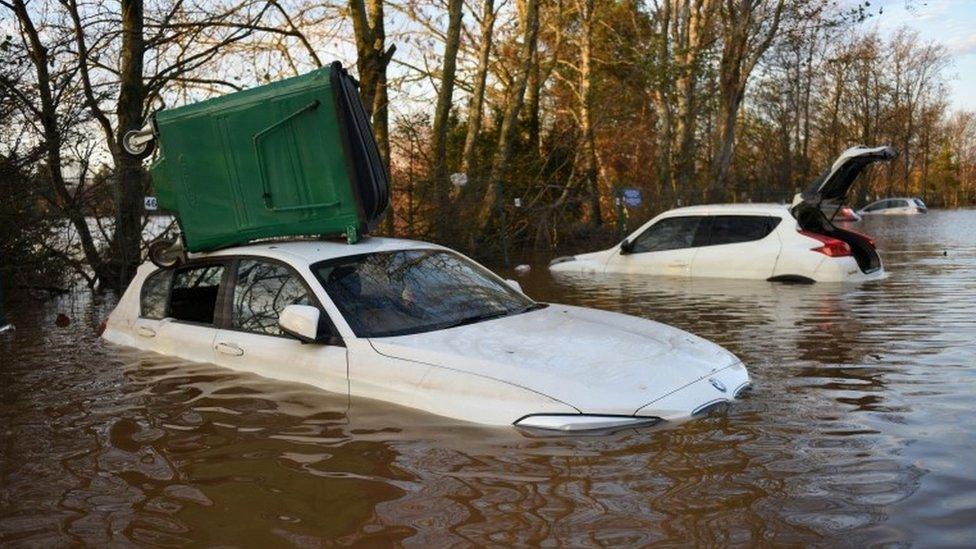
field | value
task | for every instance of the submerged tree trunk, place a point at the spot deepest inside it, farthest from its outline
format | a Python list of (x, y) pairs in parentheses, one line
[(442, 112), (475, 105), (130, 177)]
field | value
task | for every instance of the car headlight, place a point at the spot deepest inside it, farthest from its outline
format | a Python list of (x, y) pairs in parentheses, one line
[(579, 422), (562, 259)]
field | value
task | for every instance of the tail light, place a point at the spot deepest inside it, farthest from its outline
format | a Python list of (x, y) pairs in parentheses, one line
[(866, 238), (101, 328), (831, 246)]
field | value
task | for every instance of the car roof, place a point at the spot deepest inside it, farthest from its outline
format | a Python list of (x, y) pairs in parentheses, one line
[(311, 251), (897, 198), (777, 210)]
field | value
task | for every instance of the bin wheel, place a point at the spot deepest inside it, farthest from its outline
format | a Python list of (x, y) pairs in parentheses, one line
[(167, 253), (136, 143)]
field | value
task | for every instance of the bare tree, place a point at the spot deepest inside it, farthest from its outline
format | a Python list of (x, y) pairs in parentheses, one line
[(748, 29), (513, 104), (477, 100), (445, 97)]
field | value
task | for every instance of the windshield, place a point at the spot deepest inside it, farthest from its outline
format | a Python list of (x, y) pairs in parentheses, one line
[(411, 291)]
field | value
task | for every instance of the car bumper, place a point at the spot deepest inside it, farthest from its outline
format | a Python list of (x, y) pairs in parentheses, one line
[(845, 269), (699, 396)]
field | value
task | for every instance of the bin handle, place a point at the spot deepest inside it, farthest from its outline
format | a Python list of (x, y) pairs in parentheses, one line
[(266, 190)]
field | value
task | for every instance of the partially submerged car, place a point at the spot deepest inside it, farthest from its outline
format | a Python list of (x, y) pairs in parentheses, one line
[(419, 325), (773, 242), (843, 214), (895, 206)]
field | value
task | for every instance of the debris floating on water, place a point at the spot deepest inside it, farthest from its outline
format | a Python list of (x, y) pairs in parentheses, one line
[(522, 269), (62, 320)]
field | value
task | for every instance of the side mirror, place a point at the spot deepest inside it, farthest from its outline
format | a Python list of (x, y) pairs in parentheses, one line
[(305, 323), (514, 284), (626, 247)]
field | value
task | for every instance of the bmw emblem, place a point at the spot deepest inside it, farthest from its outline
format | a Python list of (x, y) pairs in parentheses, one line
[(717, 384)]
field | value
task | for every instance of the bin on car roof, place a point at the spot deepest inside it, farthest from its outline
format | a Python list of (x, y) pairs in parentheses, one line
[(291, 158)]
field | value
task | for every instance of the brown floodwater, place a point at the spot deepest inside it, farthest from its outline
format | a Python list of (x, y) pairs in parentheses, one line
[(860, 429)]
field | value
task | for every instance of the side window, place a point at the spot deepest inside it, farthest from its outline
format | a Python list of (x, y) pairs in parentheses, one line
[(733, 229), (155, 292), (874, 207), (668, 234), (262, 291), (194, 295)]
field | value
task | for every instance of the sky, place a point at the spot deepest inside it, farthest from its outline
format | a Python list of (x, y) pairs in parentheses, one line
[(949, 22)]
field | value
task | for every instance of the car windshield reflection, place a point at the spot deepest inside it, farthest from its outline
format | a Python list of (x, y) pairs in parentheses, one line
[(412, 291)]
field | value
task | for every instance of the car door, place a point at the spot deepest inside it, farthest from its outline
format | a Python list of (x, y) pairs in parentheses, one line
[(251, 340), (738, 246), (153, 309), (665, 248), (188, 328)]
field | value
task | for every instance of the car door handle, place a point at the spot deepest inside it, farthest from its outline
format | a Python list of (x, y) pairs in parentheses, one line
[(229, 349), (145, 331)]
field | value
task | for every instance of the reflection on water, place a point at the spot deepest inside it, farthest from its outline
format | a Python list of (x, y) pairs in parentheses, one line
[(858, 430)]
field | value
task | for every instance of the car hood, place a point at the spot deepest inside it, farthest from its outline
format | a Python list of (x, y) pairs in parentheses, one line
[(596, 361), (834, 184)]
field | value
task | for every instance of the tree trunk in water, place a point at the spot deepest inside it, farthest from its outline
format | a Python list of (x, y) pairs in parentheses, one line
[(476, 103), (130, 176), (60, 196), (507, 133), (590, 169), (442, 112)]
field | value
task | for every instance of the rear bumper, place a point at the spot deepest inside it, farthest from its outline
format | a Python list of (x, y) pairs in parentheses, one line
[(845, 269)]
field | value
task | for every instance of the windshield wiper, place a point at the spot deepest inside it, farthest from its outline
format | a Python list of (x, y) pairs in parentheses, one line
[(493, 314)]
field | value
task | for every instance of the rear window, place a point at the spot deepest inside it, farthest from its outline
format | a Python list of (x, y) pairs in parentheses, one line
[(733, 229), (155, 294), (919, 203), (194, 295)]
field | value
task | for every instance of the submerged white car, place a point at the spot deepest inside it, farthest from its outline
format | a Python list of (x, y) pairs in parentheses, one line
[(773, 242), (895, 206), (419, 325)]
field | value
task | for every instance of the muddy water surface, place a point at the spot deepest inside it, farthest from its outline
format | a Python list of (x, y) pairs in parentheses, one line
[(860, 429)]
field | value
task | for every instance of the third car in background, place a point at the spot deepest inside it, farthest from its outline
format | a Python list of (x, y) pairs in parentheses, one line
[(895, 206)]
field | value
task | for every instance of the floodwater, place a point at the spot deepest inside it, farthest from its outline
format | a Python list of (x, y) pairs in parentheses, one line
[(860, 429)]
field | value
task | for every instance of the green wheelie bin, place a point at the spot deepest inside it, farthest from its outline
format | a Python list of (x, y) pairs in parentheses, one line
[(291, 158)]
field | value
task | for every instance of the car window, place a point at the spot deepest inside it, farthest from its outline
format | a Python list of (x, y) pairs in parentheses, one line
[(733, 229), (671, 233), (194, 294), (411, 291), (919, 203), (873, 207), (155, 293), (262, 291)]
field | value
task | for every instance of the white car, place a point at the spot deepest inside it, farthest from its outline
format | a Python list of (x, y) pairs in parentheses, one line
[(773, 242), (895, 206), (421, 326)]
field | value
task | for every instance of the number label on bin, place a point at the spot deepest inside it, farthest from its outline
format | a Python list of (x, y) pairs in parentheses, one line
[(149, 202)]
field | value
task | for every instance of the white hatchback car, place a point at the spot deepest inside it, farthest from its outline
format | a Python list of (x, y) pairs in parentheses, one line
[(422, 326), (773, 242), (895, 206)]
